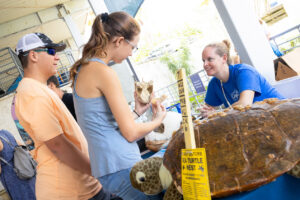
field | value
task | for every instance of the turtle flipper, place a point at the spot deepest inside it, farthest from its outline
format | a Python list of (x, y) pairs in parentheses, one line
[(172, 193)]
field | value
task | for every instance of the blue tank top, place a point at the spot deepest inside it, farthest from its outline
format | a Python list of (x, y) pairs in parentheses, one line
[(109, 151)]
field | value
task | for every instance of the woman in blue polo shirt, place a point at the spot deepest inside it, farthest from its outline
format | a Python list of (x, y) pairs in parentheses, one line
[(239, 84)]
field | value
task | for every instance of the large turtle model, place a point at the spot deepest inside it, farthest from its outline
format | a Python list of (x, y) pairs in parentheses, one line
[(246, 147)]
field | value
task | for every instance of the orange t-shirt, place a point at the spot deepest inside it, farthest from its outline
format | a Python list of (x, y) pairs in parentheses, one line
[(44, 116)]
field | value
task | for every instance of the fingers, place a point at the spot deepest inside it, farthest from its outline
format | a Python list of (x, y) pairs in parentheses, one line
[(158, 105), (135, 95), (141, 108), (154, 108), (152, 96), (205, 107), (163, 108), (205, 110)]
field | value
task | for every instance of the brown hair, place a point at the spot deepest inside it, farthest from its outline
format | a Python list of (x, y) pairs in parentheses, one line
[(104, 29), (222, 48), (53, 79), (24, 60)]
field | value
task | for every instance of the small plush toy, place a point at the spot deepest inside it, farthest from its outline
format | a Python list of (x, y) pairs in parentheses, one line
[(151, 177)]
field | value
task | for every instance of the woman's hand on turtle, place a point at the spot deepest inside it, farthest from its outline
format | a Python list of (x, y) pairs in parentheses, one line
[(205, 110)]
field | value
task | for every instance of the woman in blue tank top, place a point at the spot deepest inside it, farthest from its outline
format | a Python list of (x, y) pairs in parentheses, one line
[(101, 107)]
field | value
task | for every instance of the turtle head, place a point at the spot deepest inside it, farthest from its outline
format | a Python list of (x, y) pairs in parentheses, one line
[(145, 177)]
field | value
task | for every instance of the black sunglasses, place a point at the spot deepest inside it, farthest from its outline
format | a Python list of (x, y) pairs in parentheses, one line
[(50, 51)]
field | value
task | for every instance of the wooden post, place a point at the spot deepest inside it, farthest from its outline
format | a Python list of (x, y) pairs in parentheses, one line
[(187, 122)]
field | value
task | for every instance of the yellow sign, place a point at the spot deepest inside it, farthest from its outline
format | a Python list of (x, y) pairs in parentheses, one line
[(194, 175), (195, 183)]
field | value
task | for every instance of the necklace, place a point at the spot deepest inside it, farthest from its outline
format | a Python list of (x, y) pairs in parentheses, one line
[(225, 95)]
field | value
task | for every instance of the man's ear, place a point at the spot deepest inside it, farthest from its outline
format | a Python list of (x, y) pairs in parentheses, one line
[(118, 41), (225, 58), (32, 56)]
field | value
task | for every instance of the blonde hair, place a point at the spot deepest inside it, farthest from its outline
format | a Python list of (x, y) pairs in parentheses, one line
[(222, 48), (104, 29)]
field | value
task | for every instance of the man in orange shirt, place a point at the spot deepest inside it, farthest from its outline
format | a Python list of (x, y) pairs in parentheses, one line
[(63, 171)]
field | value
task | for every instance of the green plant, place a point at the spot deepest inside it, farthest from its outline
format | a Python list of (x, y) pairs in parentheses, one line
[(185, 34), (143, 52), (196, 98), (292, 44), (178, 60)]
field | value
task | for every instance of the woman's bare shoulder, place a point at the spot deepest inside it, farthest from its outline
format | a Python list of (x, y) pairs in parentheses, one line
[(94, 78), (103, 71), (98, 69)]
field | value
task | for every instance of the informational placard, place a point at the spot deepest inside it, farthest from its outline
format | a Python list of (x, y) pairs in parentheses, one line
[(194, 174), (197, 83), (195, 182)]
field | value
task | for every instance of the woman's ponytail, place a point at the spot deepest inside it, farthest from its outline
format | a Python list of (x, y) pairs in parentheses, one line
[(104, 29)]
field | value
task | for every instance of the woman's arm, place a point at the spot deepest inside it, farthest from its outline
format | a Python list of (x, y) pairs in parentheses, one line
[(110, 86), (246, 98)]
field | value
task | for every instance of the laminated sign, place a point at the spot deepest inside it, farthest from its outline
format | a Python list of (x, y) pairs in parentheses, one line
[(194, 175)]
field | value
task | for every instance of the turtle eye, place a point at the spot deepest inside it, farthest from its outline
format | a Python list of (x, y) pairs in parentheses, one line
[(140, 177)]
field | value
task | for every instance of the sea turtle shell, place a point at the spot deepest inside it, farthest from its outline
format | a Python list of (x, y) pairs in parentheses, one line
[(245, 147)]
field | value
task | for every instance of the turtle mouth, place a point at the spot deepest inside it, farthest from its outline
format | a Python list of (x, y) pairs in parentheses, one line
[(165, 177)]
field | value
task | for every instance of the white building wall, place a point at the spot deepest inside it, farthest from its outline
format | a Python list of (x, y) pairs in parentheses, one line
[(247, 35)]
